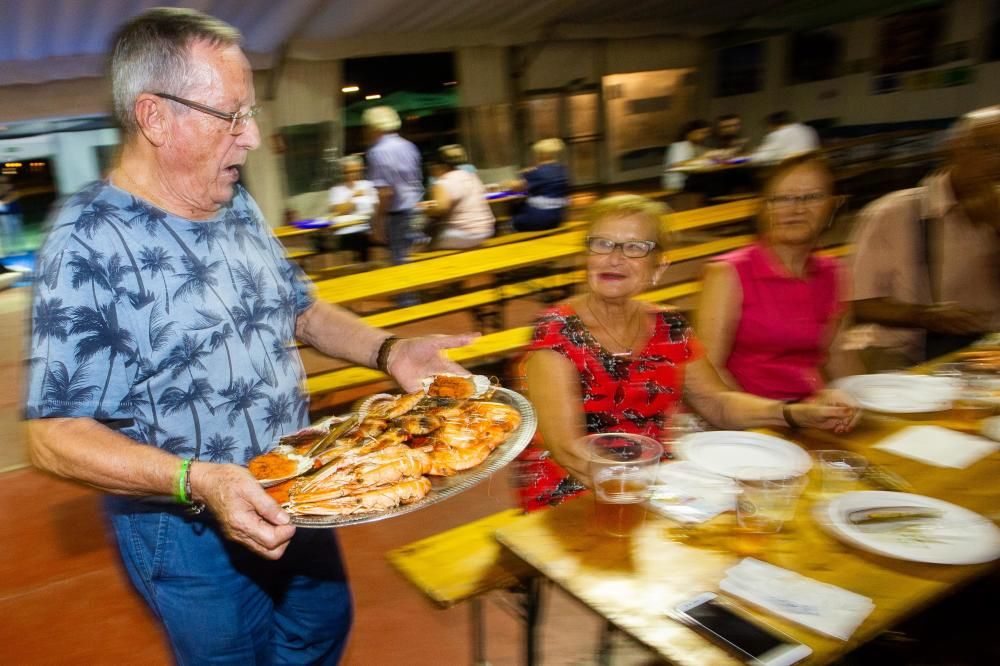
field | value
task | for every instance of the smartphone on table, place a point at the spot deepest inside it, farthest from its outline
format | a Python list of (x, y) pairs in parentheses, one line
[(756, 643)]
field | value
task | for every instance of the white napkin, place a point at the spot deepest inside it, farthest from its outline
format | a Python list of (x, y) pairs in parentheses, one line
[(827, 609), (688, 494), (938, 446)]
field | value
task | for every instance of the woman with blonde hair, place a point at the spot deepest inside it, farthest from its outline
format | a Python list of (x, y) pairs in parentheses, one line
[(606, 361), (547, 187), (461, 216)]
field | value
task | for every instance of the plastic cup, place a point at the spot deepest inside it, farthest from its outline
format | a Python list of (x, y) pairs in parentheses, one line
[(765, 504), (622, 470), (840, 471)]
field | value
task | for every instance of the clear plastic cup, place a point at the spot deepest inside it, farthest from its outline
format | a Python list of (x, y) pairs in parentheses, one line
[(622, 470), (840, 471)]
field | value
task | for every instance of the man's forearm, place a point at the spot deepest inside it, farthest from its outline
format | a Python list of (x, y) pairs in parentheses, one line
[(84, 450), (336, 332), (889, 312)]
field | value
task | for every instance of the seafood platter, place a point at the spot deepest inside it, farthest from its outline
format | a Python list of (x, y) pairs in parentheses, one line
[(397, 453)]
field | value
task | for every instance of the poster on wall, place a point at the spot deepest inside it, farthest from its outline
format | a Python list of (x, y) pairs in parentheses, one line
[(645, 111), (909, 40)]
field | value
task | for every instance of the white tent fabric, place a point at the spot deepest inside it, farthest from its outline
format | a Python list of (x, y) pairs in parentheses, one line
[(51, 40)]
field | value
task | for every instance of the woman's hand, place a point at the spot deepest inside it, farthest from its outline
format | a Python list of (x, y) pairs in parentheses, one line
[(828, 410)]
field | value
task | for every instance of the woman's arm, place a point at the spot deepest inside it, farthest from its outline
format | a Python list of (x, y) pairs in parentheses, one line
[(554, 387), (440, 203), (733, 410), (718, 315)]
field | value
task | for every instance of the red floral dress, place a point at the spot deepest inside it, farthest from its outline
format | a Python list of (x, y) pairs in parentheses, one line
[(634, 394)]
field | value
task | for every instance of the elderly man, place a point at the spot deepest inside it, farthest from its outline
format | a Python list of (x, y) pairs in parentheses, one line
[(394, 168), (927, 260), (163, 315)]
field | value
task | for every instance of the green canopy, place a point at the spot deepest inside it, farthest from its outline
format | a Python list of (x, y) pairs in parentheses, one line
[(405, 103)]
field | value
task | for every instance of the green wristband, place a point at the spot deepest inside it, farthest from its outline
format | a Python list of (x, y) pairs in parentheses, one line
[(180, 491)]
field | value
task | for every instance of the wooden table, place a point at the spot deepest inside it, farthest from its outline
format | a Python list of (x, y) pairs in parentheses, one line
[(633, 582)]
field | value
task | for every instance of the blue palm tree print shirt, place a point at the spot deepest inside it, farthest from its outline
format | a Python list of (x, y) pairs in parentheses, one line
[(185, 327)]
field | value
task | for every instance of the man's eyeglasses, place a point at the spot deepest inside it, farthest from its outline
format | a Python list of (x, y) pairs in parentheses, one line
[(237, 121), (633, 249), (791, 200)]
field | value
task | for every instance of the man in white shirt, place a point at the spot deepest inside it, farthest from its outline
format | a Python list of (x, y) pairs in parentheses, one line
[(785, 137)]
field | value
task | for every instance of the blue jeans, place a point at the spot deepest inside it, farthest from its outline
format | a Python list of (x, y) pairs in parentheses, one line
[(399, 236), (220, 603)]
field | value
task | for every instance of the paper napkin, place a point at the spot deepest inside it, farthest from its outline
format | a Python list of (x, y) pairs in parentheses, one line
[(938, 446), (827, 609)]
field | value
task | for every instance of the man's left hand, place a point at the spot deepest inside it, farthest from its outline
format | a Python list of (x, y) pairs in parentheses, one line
[(413, 359)]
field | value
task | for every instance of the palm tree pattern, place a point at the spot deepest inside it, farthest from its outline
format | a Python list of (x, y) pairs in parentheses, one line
[(185, 327)]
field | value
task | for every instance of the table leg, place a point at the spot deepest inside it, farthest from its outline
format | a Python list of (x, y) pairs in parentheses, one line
[(478, 632), (532, 615), (604, 646)]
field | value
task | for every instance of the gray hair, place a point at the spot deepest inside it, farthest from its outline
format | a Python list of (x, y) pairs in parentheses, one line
[(381, 118), (151, 52)]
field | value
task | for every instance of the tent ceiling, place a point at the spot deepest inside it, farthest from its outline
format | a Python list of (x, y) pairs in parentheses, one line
[(47, 40)]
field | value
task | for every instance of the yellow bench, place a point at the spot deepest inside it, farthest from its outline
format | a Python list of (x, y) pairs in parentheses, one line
[(461, 563), (502, 342), (486, 346), (466, 562)]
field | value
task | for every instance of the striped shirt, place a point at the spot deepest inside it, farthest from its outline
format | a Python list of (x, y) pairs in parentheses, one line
[(395, 162)]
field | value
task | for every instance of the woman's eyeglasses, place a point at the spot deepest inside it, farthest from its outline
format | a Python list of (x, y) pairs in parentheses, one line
[(237, 121), (791, 200), (633, 249)]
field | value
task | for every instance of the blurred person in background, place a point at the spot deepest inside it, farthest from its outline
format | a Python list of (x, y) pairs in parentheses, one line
[(164, 311), (11, 220), (547, 187), (785, 137), (454, 154), (770, 314), (689, 147), (394, 169), (605, 361), (727, 138), (926, 264), (354, 197), (461, 216)]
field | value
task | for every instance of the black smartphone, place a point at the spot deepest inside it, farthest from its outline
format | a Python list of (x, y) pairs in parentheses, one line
[(756, 643)]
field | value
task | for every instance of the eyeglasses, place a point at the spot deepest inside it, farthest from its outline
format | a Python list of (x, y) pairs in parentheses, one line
[(237, 121), (633, 249), (790, 200)]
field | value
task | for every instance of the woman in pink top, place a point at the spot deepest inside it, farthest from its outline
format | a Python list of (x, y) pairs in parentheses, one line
[(770, 313), (463, 216)]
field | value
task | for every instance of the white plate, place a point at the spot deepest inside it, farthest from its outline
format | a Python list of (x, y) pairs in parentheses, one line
[(900, 393), (725, 452), (958, 536)]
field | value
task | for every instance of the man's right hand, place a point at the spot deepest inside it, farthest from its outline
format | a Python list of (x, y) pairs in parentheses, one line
[(247, 514)]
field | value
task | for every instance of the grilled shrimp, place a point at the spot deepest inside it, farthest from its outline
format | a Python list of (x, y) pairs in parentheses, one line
[(446, 460), (417, 424), (390, 409), (376, 469), (375, 499), (496, 413)]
